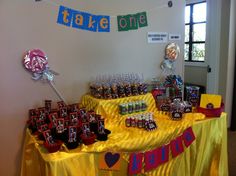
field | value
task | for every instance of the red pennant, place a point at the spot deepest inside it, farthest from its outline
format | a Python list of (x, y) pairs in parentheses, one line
[(176, 146), (162, 154), (188, 136), (156, 157), (135, 163), (150, 159)]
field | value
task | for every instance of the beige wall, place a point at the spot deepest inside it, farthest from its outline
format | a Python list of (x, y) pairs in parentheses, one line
[(76, 54)]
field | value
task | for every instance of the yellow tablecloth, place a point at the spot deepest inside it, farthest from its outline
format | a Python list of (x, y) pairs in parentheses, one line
[(207, 155)]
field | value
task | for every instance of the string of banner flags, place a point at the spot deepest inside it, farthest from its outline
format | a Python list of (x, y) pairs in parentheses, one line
[(100, 23), (140, 162)]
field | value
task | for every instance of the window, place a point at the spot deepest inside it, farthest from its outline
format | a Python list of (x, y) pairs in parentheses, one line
[(195, 32)]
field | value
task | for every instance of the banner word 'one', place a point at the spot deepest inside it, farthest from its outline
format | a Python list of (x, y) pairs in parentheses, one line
[(83, 20), (131, 22)]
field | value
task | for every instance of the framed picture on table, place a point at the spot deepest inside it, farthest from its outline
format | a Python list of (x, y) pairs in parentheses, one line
[(48, 137), (53, 119)]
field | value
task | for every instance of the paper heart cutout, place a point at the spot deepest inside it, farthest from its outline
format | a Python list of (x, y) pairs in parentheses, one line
[(111, 159)]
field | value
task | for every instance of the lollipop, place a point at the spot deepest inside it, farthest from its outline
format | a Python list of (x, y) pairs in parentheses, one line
[(36, 62)]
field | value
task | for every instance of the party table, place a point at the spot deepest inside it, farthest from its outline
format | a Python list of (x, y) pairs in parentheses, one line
[(207, 155)]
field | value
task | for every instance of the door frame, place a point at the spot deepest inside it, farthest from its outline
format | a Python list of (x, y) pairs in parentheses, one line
[(213, 31)]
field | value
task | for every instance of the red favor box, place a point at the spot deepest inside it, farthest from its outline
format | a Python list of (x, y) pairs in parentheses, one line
[(53, 147), (215, 112), (88, 140)]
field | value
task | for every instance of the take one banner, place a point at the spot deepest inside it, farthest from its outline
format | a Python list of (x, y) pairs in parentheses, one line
[(83, 20)]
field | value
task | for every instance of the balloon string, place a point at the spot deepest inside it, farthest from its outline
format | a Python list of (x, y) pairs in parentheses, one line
[(57, 92)]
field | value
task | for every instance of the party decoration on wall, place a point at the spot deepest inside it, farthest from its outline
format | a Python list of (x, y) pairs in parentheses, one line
[(132, 22), (101, 23), (154, 158), (110, 161), (171, 54), (36, 62), (83, 20)]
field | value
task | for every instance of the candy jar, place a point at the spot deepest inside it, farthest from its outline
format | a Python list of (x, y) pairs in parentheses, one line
[(133, 121), (192, 95), (114, 91), (128, 90), (123, 108), (159, 93), (134, 88), (144, 88), (177, 109), (98, 91), (137, 106), (130, 108), (121, 90), (140, 122), (128, 122), (107, 91), (143, 105)]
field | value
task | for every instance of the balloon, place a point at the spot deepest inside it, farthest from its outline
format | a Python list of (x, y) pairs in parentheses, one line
[(172, 51), (166, 65)]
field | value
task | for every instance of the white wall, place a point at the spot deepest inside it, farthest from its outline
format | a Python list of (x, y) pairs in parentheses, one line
[(76, 54)]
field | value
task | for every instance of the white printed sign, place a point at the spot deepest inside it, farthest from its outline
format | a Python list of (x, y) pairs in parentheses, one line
[(157, 37), (174, 37)]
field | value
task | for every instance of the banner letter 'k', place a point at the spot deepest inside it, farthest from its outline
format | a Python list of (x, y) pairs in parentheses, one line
[(91, 22)]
